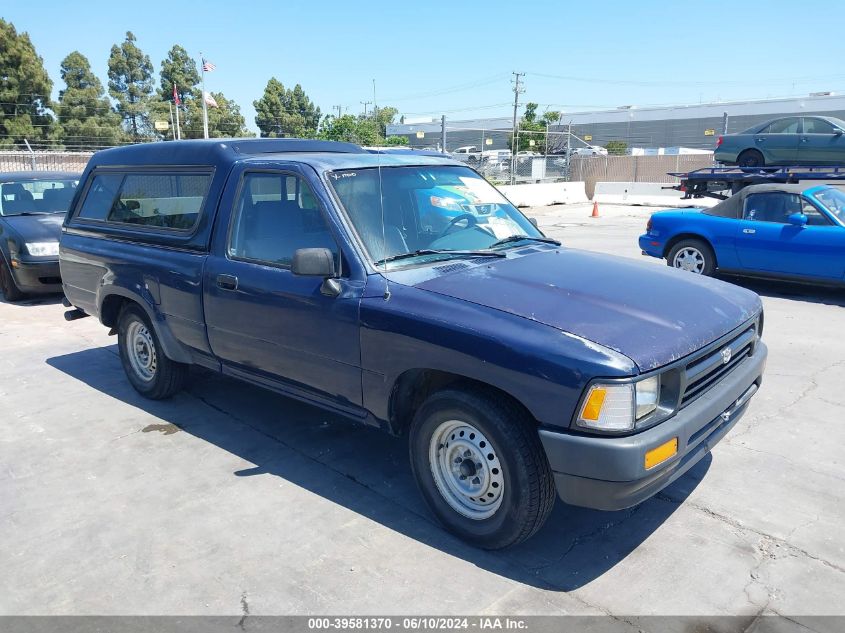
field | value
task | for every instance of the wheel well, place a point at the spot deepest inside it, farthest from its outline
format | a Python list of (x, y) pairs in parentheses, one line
[(110, 310), (415, 385), (687, 236)]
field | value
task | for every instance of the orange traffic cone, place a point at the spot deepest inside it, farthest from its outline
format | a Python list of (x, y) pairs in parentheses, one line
[(595, 213)]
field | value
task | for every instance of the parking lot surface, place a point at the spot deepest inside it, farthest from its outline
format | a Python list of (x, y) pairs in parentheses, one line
[(232, 500)]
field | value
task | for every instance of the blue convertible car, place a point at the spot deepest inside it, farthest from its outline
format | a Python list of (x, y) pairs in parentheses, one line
[(788, 231)]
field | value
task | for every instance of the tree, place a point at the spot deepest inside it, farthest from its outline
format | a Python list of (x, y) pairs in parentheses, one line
[(131, 86), (616, 148), (179, 69), (224, 121), (24, 91), (284, 112), (385, 117), (86, 118), (351, 129), (533, 129), (396, 140)]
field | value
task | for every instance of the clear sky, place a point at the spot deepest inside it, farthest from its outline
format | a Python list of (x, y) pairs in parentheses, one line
[(457, 57)]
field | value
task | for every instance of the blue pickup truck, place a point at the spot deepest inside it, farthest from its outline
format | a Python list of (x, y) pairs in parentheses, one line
[(405, 292)]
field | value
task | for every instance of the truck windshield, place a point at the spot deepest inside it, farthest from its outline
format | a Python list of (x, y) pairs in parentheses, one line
[(447, 209), (833, 200), (27, 197)]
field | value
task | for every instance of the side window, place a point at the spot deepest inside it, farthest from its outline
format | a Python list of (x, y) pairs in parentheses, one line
[(772, 207), (170, 201), (817, 126), (275, 215), (791, 125), (100, 197), (814, 216)]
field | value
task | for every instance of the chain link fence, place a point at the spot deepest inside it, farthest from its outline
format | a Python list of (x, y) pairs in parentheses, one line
[(44, 161)]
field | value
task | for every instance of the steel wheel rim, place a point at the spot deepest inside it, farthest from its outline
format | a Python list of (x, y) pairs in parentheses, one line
[(689, 259), (466, 469), (141, 351)]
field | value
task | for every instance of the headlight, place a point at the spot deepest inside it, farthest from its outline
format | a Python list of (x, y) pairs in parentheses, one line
[(42, 249), (618, 406)]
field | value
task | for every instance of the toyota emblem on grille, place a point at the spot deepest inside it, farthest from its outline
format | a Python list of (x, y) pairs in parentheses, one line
[(726, 355)]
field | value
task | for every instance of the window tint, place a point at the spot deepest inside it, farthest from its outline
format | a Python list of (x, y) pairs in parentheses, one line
[(36, 196), (772, 207), (275, 215), (170, 201), (784, 126), (817, 126), (98, 202)]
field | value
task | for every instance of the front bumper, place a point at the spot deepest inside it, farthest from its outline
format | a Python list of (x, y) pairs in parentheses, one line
[(608, 473), (37, 276)]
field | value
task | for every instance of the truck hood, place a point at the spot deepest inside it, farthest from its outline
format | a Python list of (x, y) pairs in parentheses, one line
[(653, 315), (36, 228)]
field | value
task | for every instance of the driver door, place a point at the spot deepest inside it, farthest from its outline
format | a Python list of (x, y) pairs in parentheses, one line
[(767, 242)]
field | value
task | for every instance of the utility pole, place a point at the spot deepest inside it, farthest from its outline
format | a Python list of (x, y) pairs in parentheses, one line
[(365, 104), (375, 107), (517, 88), (443, 134), (338, 108)]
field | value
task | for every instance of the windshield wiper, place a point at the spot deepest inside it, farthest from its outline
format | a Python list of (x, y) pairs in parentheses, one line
[(432, 251), (519, 238), (29, 213)]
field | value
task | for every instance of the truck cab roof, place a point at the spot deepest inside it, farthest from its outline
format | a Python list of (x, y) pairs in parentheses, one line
[(220, 153)]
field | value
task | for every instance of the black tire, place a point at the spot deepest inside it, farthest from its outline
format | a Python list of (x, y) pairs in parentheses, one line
[(686, 249), (7, 283), (751, 158), (527, 489), (166, 377)]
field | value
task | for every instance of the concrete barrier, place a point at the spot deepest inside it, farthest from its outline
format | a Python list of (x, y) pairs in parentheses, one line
[(651, 194), (545, 193)]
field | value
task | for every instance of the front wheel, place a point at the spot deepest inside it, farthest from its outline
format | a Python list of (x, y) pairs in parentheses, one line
[(480, 467), (694, 256), (7, 283), (151, 373)]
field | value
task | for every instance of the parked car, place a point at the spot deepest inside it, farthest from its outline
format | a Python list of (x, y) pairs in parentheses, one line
[(32, 206), (467, 154), (809, 140), (771, 230), (514, 366)]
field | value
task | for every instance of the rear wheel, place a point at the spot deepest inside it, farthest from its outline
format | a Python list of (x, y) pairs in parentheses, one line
[(480, 467), (151, 373), (751, 158), (7, 283), (694, 256)]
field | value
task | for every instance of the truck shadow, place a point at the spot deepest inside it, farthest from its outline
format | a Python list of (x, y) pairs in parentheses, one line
[(368, 472)]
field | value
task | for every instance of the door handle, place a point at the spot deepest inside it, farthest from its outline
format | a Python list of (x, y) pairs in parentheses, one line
[(760, 139), (804, 139), (749, 231), (227, 282)]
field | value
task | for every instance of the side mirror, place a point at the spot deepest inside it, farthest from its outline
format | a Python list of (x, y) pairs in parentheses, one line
[(797, 219), (313, 262), (838, 131), (534, 222)]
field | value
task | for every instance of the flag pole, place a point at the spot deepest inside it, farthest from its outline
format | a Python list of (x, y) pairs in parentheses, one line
[(204, 106), (172, 127), (178, 128)]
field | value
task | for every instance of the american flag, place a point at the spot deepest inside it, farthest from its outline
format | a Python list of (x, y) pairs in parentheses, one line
[(207, 66)]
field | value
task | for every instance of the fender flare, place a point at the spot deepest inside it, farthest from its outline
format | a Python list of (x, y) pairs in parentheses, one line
[(171, 346)]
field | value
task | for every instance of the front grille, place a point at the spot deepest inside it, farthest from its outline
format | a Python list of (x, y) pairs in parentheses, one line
[(705, 371)]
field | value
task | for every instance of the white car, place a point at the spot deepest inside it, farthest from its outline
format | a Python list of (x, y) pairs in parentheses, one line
[(590, 150)]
